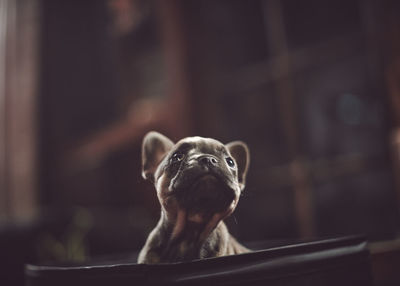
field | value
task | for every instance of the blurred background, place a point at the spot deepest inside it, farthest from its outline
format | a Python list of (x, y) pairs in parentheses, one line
[(312, 86)]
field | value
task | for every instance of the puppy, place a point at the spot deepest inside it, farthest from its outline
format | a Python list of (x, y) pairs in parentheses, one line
[(198, 182)]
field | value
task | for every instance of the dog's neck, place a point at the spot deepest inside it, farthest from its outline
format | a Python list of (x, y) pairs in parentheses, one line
[(192, 241)]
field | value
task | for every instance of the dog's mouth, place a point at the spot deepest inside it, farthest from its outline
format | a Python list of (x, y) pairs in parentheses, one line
[(208, 194), (202, 203)]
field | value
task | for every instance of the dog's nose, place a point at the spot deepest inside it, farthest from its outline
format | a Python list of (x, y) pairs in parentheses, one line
[(208, 160)]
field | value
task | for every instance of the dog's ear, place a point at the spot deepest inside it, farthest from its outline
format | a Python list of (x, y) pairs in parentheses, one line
[(240, 152), (154, 147)]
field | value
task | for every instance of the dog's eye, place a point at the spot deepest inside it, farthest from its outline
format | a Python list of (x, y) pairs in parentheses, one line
[(230, 162), (177, 157)]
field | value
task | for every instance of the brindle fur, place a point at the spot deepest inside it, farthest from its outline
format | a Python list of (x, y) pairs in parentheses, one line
[(181, 234)]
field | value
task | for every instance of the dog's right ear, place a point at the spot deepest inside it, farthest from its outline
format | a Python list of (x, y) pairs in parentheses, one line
[(154, 147)]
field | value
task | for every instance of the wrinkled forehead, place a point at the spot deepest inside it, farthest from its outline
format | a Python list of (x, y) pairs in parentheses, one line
[(201, 145)]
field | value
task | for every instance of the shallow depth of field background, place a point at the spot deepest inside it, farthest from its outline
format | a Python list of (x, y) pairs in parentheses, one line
[(312, 86)]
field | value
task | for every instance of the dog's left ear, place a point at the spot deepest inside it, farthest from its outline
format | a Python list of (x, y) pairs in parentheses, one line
[(240, 152), (154, 147)]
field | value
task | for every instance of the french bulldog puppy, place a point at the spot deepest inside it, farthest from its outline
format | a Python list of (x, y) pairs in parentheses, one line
[(198, 182)]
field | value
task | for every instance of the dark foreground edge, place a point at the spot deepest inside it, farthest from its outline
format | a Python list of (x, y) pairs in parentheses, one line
[(339, 261)]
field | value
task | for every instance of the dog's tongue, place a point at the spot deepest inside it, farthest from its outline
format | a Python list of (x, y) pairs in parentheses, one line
[(185, 218), (204, 223), (196, 218)]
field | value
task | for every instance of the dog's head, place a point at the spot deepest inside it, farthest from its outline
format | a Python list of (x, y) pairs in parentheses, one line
[(199, 178)]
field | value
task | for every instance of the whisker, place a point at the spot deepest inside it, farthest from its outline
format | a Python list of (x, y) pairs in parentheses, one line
[(234, 219)]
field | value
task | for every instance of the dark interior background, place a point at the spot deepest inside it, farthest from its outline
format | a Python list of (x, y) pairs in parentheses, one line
[(301, 83), (307, 84)]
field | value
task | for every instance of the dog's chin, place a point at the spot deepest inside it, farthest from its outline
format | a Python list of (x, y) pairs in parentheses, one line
[(207, 197)]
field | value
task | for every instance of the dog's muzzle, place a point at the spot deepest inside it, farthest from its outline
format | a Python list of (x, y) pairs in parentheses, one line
[(208, 193)]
